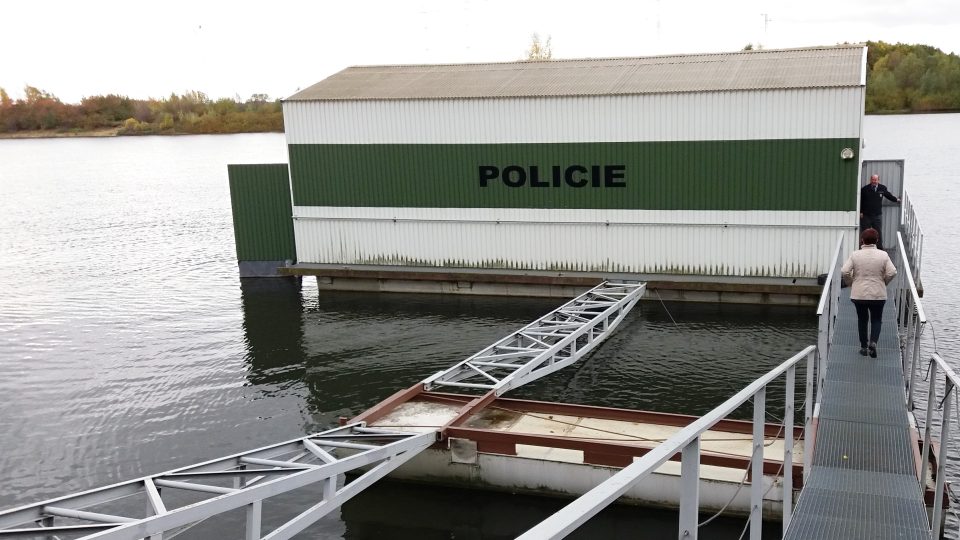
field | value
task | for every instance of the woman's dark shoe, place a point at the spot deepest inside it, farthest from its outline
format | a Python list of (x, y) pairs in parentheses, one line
[(863, 351), (873, 350)]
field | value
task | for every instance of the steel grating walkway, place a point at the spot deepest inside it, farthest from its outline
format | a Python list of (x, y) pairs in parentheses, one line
[(863, 481)]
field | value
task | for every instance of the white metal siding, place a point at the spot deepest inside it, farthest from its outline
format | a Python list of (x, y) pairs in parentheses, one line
[(735, 244), (763, 114)]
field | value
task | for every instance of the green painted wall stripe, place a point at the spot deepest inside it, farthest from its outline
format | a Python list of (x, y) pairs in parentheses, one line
[(795, 174), (262, 213)]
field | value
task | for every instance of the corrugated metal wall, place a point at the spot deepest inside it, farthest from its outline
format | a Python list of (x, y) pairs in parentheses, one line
[(717, 183), (775, 244), (668, 249), (262, 212), (814, 113)]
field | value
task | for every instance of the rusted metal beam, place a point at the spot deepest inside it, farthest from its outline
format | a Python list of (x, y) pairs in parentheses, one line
[(383, 408)]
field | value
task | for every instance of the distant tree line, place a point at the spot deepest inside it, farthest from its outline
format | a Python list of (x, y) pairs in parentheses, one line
[(192, 112), (911, 78), (900, 78)]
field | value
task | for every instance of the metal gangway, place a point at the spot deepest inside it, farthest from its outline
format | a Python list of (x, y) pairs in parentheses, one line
[(546, 345), (140, 508)]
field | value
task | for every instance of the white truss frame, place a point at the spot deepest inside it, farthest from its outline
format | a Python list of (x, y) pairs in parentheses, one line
[(255, 475), (548, 344)]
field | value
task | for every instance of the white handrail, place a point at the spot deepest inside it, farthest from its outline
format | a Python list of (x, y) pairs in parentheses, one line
[(951, 381), (567, 519), (908, 274), (827, 314), (912, 318), (831, 275)]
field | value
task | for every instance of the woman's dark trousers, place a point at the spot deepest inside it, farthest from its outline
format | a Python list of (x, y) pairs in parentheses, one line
[(872, 310)]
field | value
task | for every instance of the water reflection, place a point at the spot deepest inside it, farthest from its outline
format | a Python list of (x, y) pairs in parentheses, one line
[(273, 330), (351, 349)]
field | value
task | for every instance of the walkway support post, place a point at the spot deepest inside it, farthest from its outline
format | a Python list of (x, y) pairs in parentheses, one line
[(931, 398), (689, 490), (788, 447), (756, 479), (808, 418), (941, 462)]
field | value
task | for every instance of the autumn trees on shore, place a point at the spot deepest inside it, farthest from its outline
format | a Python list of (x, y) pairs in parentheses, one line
[(911, 78), (192, 112)]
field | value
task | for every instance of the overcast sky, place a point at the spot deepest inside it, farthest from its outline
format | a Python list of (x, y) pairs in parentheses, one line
[(226, 48)]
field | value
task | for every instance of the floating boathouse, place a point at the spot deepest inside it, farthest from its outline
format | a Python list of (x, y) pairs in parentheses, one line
[(712, 176)]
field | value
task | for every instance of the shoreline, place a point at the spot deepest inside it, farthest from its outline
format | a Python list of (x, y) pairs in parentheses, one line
[(50, 134), (104, 133)]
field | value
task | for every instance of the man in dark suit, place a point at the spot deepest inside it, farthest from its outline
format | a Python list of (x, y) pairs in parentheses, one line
[(871, 204)]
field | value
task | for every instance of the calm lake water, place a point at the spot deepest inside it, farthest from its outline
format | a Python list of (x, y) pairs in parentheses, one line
[(129, 346)]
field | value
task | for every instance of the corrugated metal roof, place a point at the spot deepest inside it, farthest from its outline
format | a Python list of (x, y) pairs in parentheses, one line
[(840, 65)]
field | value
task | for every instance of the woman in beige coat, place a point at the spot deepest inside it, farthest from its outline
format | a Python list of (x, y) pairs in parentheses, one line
[(869, 270)]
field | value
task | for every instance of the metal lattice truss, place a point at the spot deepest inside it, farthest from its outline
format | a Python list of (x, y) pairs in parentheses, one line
[(241, 480), (548, 344)]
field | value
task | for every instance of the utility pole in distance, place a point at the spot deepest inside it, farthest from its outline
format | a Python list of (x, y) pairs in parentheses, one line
[(766, 22)]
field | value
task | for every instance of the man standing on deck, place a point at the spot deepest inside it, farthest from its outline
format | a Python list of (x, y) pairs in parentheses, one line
[(871, 216)]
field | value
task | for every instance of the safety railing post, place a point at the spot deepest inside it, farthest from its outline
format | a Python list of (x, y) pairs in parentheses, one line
[(931, 398), (756, 480), (941, 462), (909, 316), (689, 490), (254, 512), (788, 447), (903, 291), (919, 254), (915, 347), (821, 377), (808, 420), (908, 321), (914, 360), (822, 348)]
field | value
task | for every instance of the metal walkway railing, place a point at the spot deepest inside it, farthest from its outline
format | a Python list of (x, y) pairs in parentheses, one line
[(548, 344), (687, 441), (237, 481), (913, 320)]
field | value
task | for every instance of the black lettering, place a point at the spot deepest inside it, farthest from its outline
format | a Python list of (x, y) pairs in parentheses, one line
[(520, 174), (612, 173), (535, 178), (487, 173), (577, 176), (568, 176)]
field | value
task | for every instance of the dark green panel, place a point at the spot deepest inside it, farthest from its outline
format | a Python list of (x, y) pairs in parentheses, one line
[(262, 213), (796, 174)]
